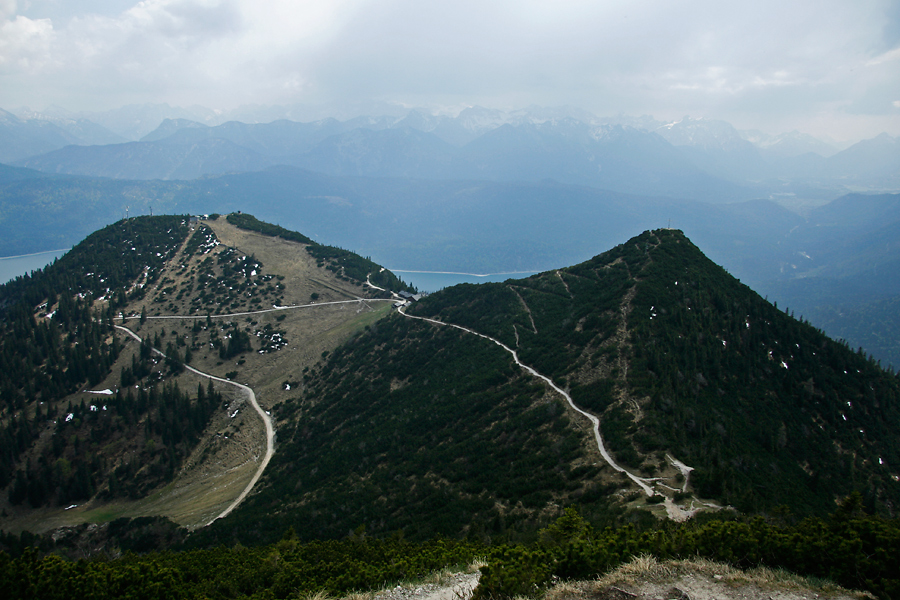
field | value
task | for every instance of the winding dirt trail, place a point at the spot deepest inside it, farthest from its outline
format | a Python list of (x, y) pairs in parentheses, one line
[(270, 440), (251, 396), (639, 481), (643, 483), (267, 420)]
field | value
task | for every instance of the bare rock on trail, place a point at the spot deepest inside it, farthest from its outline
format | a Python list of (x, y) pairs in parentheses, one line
[(455, 586), (645, 578)]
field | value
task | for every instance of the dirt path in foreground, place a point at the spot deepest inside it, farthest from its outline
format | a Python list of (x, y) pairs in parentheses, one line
[(456, 586)]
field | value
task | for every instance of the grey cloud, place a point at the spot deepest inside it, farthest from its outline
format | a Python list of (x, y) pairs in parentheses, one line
[(200, 20), (775, 60)]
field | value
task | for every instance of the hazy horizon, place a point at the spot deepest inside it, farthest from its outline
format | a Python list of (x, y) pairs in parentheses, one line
[(829, 69)]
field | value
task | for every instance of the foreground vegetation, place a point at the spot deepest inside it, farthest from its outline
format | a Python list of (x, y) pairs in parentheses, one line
[(850, 548)]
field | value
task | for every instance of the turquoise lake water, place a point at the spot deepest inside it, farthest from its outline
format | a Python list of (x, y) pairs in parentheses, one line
[(13, 266), (428, 281), (425, 281)]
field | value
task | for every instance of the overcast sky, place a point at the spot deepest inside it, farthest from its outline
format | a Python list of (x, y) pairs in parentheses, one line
[(826, 67)]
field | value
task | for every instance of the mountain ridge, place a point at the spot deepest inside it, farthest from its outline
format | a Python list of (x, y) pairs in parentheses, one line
[(149, 447), (601, 353), (645, 383), (715, 160)]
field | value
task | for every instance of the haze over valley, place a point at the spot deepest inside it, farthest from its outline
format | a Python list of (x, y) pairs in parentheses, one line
[(467, 301)]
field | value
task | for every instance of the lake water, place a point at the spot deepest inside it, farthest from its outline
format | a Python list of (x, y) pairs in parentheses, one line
[(431, 281), (425, 281), (13, 266)]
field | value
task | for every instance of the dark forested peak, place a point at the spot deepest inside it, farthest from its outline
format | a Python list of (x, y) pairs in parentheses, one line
[(679, 358), (105, 262)]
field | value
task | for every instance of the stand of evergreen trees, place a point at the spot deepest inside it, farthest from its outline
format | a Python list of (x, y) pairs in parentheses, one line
[(56, 338), (161, 422), (849, 547)]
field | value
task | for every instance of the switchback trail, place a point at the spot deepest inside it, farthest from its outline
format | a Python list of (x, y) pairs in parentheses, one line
[(641, 482), (270, 429)]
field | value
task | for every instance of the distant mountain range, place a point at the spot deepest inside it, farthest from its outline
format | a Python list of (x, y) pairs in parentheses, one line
[(484, 191), (691, 158), (38, 134)]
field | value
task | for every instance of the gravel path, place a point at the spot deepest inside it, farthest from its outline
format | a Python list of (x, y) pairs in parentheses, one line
[(639, 481), (270, 429), (458, 586)]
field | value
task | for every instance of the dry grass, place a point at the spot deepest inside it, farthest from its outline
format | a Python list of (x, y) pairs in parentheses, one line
[(439, 577), (645, 571), (320, 595), (477, 563)]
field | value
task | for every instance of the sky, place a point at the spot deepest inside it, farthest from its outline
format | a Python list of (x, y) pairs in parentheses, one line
[(824, 67)]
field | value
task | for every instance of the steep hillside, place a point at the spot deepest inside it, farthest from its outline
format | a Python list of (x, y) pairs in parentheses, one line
[(706, 395), (154, 369), (96, 417), (678, 357), (654, 380)]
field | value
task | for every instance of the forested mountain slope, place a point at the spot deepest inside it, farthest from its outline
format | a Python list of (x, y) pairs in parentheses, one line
[(422, 422), (431, 429), (91, 417), (767, 409)]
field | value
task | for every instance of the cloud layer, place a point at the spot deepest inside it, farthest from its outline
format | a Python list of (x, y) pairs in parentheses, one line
[(829, 66)]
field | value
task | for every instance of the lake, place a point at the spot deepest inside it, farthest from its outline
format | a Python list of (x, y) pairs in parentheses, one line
[(13, 266), (425, 281), (432, 281)]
